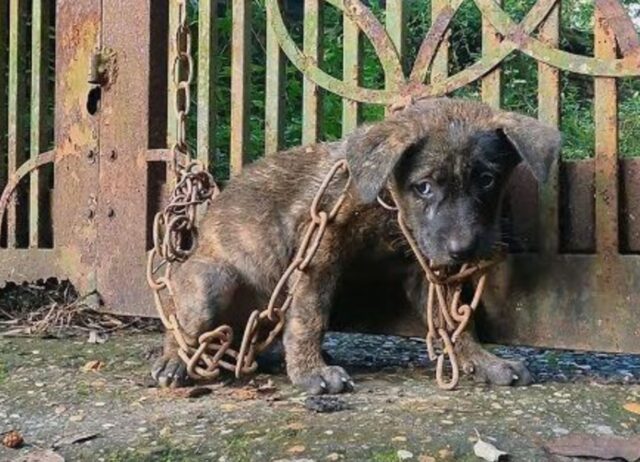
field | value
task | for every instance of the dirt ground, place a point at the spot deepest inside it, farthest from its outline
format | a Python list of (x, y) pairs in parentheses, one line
[(56, 391)]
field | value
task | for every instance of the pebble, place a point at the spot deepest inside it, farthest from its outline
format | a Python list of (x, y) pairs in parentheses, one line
[(322, 404), (404, 454)]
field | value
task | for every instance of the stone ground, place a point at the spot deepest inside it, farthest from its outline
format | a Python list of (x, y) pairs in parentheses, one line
[(395, 414)]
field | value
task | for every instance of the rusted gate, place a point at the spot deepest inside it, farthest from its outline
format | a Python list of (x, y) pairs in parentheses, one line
[(85, 194)]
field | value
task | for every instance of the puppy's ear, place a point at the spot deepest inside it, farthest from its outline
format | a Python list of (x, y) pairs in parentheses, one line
[(538, 144), (373, 152)]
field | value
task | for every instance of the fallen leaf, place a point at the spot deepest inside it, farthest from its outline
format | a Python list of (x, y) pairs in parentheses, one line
[(41, 455), (73, 439), (425, 458), (92, 366), (12, 439), (488, 451), (244, 394), (633, 407), (598, 446), (296, 426), (296, 449), (189, 392)]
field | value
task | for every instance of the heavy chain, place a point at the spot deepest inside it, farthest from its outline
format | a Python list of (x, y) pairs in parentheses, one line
[(452, 316)]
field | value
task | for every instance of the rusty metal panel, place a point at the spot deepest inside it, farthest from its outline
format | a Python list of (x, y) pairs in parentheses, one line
[(630, 206), (565, 301), (121, 213), (577, 208), (76, 143)]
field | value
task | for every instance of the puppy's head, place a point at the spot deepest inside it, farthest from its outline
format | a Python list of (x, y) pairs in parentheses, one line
[(450, 160)]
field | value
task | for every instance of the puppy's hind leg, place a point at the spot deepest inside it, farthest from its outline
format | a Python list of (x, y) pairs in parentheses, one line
[(203, 289)]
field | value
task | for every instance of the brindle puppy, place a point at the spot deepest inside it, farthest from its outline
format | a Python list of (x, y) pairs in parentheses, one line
[(448, 159)]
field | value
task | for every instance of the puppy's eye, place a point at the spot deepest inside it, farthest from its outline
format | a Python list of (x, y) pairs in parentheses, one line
[(423, 189), (486, 180)]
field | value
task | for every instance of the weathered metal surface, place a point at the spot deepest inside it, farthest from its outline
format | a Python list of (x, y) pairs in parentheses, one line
[(39, 184), (311, 98), (606, 152), (4, 48), (516, 37), (592, 305), (351, 63), (240, 93), (207, 67), (492, 81), (395, 26), (121, 213), (274, 94), (16, 109), (630, 206), (549, 112), (443, 11), (76, 143), (577, 209)]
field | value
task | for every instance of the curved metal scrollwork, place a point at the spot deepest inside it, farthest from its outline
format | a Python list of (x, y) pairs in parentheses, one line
[(516, 37)]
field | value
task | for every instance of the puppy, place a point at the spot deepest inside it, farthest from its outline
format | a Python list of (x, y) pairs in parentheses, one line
[(448, 159)]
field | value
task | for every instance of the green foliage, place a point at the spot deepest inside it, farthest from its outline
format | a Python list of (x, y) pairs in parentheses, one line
[(520, 83)]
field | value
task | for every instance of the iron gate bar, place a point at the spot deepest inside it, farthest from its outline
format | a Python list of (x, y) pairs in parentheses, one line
[(240, 94), (207, 68), (351, 63), (311, 98), (549, 112), (17, 99), (274, 94)]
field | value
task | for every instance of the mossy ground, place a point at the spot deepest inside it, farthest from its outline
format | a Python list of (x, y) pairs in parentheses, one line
[(46, 396)]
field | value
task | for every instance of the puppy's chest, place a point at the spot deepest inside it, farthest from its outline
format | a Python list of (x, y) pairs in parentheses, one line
[(372, 229)]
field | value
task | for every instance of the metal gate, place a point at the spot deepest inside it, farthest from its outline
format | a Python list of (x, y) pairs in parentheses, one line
[(80, 201)]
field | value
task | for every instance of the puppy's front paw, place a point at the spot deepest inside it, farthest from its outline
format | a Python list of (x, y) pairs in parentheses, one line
[(490, 369), (326, 379), (170, 371)]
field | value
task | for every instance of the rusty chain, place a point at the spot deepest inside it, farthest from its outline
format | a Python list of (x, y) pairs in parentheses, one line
[(448, 321)]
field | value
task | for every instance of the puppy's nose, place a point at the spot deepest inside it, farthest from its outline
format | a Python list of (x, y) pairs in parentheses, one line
[(462, 249)]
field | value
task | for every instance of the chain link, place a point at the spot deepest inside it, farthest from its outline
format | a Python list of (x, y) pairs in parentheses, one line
[(446, 315)]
